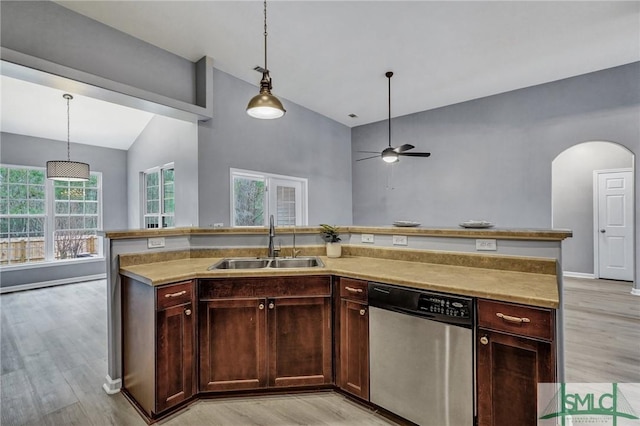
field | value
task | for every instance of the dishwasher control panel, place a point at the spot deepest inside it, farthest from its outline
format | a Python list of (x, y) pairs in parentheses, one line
[(452, 309), (444, 305)]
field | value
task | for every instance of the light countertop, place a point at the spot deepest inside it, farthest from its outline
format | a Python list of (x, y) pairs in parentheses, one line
[(510, 286)]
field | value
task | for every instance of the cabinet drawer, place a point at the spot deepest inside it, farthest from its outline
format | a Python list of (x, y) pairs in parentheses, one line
[(517, 319), (174, 294), (353, 289), (264, 287)]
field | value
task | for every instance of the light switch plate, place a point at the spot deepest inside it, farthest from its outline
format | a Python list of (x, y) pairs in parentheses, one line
[(367, 238), (400, 240), (486, 245), (157, 242)]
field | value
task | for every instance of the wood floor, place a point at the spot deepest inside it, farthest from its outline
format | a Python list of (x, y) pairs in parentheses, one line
[(53, 362)]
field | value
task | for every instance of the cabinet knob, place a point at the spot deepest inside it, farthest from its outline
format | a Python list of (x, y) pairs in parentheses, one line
[(272, 305), (261, 306), (363, 311), (484, 340), (187, 312)]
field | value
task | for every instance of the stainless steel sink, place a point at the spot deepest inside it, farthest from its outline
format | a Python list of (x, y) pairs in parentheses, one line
[(241, 263), (261, 263), (298, 262)]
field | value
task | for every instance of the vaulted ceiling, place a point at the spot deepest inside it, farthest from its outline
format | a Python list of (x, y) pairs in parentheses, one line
[(331, 56)]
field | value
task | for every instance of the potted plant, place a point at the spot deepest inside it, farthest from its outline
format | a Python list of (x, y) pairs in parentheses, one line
[(331, 236)]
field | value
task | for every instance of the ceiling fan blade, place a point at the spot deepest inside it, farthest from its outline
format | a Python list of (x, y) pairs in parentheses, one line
[(403, 148), (369, 158), (415, 154), (370, 152)]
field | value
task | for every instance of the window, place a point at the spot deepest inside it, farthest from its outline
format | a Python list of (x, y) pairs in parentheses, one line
[(76, 217), (255, 196), (159, 197), (43, 220)]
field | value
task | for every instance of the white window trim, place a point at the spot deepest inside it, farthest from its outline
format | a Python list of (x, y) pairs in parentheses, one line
[(49, 226), (143, 198), (267, 177)]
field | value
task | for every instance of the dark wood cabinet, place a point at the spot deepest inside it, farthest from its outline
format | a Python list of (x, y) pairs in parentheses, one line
[(264, 332), (353, 340), (515, 352), (158, 344)]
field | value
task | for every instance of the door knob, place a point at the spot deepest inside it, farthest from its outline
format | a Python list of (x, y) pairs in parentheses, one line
[(602, 231)]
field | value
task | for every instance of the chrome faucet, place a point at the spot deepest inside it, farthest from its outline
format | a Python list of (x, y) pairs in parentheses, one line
[(272, 234), (294, 252)]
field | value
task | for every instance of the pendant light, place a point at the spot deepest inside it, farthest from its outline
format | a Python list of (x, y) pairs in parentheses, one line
[(264, 105), (70, 171)]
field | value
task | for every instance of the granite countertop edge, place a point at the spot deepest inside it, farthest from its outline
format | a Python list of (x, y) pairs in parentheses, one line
[(509, 286)]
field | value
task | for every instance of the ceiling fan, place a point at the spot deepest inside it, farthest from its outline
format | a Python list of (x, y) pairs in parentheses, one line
[(391, 154)]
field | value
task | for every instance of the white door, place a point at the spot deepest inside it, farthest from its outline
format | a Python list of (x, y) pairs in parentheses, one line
[(285, 201), (614, 224)]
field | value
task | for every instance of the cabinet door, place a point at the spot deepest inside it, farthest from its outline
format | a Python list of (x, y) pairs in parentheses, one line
[(354, 348), (299, 341), (233, 341), (509, 370), (175, 346)]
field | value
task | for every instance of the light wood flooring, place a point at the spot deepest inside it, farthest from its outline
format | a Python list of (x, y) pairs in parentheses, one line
[(53, 362)]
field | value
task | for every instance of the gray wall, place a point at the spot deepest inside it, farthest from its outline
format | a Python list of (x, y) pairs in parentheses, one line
[(166, 140), (29, 151), (302, 144), (49, 31), (572, 196), (491, 157)]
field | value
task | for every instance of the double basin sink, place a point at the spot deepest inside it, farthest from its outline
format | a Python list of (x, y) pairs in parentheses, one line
[(261, 263)]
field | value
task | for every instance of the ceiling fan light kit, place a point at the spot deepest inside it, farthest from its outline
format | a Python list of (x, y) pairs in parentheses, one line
[(391, 154), (67, 170), (264, 105)]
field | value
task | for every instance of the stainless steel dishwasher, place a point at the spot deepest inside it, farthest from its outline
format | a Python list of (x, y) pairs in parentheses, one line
[(421, 355)]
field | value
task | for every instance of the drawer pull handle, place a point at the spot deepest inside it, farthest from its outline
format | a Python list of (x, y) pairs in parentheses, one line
[(180, 293), (515, 320), (354, 290)]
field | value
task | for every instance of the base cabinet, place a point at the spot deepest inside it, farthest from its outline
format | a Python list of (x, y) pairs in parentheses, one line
[(353, 341), (158, 344), (265, 332), (515, 352)]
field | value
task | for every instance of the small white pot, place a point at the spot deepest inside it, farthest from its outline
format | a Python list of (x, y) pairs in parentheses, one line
[(334, 249)]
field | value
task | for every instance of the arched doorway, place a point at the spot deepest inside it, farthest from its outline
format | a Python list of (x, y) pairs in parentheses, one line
[(573, 199)]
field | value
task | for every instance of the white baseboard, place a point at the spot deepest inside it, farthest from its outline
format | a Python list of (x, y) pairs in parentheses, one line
[(635, 291), (111, 386), (578, 275), (42, 284)]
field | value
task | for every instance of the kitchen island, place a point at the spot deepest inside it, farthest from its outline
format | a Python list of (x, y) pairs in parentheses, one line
[(505, 277)]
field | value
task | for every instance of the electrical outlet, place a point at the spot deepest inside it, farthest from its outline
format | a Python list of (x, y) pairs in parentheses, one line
[(157, 242), (218, 225), (486, 245), (400, 240), (367, 238)]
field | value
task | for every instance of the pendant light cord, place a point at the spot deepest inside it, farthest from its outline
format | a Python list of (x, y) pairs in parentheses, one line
[(68, 97), (389, 74), (265, 35)]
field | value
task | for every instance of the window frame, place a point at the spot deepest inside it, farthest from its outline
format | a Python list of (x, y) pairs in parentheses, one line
[(49, 222), (161, 214), (269, 209)]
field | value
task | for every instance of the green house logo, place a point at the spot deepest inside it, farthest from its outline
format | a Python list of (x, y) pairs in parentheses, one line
[(589, 406)]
